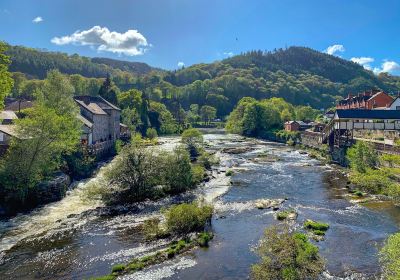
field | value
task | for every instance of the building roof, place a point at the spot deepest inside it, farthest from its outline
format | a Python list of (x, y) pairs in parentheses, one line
[(8, 115), (290, 122), (85, 121), (12, 104), (95, 104), (367, 114), (9, 129)]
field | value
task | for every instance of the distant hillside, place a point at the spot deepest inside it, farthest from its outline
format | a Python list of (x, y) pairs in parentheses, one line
[(35, 63), (300, 75)]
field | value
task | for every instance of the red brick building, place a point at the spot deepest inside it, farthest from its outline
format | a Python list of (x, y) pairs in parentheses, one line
[(367, 100), (292, 126)]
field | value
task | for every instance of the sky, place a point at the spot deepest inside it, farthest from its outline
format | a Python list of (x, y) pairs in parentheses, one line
[(173, 33)]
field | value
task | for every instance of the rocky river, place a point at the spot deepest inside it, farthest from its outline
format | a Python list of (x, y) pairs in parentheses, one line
[(78, 238)]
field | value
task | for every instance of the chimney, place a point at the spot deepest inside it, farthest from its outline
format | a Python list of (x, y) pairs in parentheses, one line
[(86, 99)]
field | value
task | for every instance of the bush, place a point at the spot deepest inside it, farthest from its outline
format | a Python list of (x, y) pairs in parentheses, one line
[(178, 171), (282, 215), (199, 173), (229, 173), (185, 218), (362, 156), (204, 238), (207, 160), (390, 257), (151, 133), (118, 268), (312, 225), (371, 181), (80, 164), (287, 255), (152, 229)]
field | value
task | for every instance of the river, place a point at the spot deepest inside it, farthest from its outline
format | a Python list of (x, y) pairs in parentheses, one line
[(78, 237)]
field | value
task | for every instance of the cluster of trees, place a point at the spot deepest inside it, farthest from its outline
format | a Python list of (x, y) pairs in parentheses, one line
[(141, 172), (48, 132), (258, 118)]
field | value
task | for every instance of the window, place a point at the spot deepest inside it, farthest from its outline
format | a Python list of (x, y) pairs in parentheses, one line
[(397, 107)]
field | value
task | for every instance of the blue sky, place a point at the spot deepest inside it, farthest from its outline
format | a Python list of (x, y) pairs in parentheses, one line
[(164, 33)]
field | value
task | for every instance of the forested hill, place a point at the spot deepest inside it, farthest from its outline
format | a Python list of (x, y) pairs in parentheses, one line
[(35, 64), (300, 75)]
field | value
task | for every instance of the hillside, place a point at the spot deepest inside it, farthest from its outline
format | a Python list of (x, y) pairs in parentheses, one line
[(35, 64), (300, 75)]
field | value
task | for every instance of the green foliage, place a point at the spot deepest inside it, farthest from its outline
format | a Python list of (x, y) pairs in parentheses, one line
[(207, 160), (362, 156), (118, 268), (6, 82), (204, 238), (109, 91), (178, 171), (372, 181), (151, 133), (229, 172), (208, 113), (193, 139), (288, 256), (390, 257), (317, 228), (80, 163), (185, 218), (198, 174)]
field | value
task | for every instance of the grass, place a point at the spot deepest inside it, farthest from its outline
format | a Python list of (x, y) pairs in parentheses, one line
[(318, 228), (283, 215), (175, 248)]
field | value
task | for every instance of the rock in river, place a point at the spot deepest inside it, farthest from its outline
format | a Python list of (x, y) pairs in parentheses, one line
[(268, 203)]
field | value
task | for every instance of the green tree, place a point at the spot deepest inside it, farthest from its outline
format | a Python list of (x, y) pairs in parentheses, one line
[(6, 82), (178, 171), (109, 91), (44, 136), (193, 139), (287, 256), (208, 113), (390, 257), (362, 156), (151, 133), (130, 99), (131, 118)]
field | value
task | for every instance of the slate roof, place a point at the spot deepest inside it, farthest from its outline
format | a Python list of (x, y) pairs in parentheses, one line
[(368, 114), (95, 104), (8, 115), (9, 129)]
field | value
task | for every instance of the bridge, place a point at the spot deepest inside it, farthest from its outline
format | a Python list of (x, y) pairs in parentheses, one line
[(340, 130)]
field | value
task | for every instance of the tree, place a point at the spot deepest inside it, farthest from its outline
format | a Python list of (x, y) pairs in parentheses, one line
[(390, 257), (151, 133), (44, 136), (362, 156), (131, 118), (109, 91), (208, 113), (178, 171), (287, 256), (6, 82), (130, 99), (193, 139)]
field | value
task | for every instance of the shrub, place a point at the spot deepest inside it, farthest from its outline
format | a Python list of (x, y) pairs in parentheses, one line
[(371, 181), (185, 218), (106, 277), (287, 255), (204, 238), (199, 173), (178, 171), (229, 173), (310, 224), (362, 156), (390, 257), (151, 133), (282, 215), (152, 229), (118, 268)]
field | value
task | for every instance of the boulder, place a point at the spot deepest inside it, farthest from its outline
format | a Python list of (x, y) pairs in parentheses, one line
[(268, 203)]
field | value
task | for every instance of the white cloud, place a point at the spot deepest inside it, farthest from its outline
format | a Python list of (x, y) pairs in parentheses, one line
[(37, 19), (181, 64), (364, 61), (387, 66), (129, 43), (332, 50), (229, 54)]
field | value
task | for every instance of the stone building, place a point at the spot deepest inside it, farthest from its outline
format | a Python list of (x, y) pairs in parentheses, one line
[(100, 122)]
